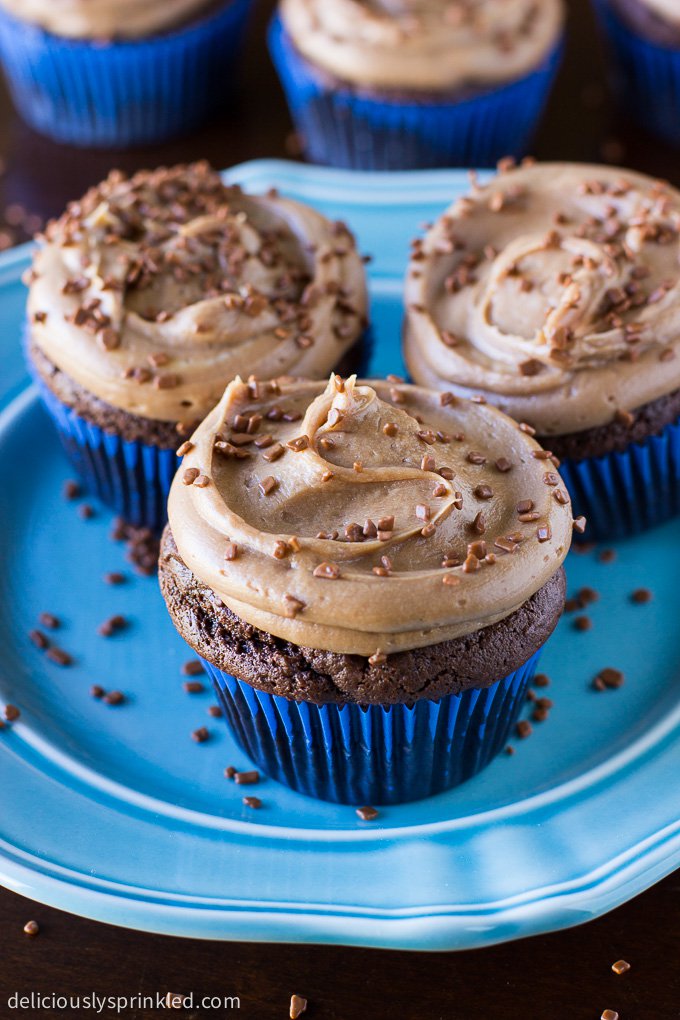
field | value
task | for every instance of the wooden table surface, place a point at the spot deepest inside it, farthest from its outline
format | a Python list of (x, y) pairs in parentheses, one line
[(567, 975)]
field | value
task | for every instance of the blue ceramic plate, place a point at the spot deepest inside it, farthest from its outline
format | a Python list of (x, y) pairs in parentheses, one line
[(116, 813)]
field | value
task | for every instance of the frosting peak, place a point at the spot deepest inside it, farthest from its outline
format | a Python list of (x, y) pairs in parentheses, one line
[(424, 45), (430, 517), (105, 19), (553, 289), (154, 292)]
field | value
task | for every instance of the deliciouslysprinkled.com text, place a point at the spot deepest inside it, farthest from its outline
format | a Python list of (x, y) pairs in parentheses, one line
[(118, 1004)]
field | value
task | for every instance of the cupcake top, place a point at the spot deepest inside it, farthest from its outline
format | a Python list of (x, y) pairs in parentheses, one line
[(366, 518), (154, 291), (554, 291), (104, 19), (424, 45)]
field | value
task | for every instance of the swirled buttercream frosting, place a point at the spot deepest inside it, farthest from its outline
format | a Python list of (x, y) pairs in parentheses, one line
[(105, 19), (154, 291), (424, 45), (554, 291), (366, 518)]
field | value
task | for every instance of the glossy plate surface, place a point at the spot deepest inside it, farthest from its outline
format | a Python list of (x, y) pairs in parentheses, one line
[(116, 813)]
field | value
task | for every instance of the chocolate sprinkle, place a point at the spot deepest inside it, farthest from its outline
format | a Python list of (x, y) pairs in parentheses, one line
[(298, 1005), (367, 813)]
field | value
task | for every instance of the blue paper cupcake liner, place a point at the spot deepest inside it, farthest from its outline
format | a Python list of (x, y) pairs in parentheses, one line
[(373, 754), (625, 493), (133, 478), (123, 93), (646, 75), (342, 128)]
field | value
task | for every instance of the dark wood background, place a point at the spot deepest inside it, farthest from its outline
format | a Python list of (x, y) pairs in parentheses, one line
[(566, 976)]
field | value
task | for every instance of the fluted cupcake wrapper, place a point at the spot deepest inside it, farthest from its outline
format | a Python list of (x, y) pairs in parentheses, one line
[(625, 493), (124, 93), (646, 75), (133, 478), (373, 754), (346, 129)]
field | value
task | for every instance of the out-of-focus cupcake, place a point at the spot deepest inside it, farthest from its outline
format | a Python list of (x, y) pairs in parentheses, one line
[(149, 295), (369, 580), (403, 84), (553, 291), (643, 39), (123, 73)]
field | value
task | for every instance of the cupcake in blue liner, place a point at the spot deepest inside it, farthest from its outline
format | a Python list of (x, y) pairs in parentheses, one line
[(643, 40), (397, 86), (150, 294), (93, 73), (365, 587), (553, 292)]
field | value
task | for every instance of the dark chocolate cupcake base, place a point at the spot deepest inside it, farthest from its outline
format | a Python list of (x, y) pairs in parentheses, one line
[(312, 675), (435, 717)]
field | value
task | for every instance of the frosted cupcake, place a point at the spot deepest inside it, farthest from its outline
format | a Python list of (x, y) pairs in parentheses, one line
[(152, 292), (119, 72), (402, 84), (369, 578), (553, 292), (643, 38)]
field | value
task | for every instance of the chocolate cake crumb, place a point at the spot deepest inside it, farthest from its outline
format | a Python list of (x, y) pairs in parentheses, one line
[(71, 489), (114, 578), (49, 620), (59, 656), (193, 687), (194, 667), (39, 639), (114, 698), (113, 625), (367, 813), (298, 1005), (247, 778), (608, 678)]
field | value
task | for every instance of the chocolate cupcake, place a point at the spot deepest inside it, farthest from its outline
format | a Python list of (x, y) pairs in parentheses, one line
[(402, 84), (643, 40), (149, 295), (553, 291), (119, 72), (369, 571)]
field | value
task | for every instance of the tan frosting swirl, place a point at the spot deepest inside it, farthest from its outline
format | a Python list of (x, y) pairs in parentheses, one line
[(554, 290), (358, 517), (154, 292), (426, 45), (104, 19)]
